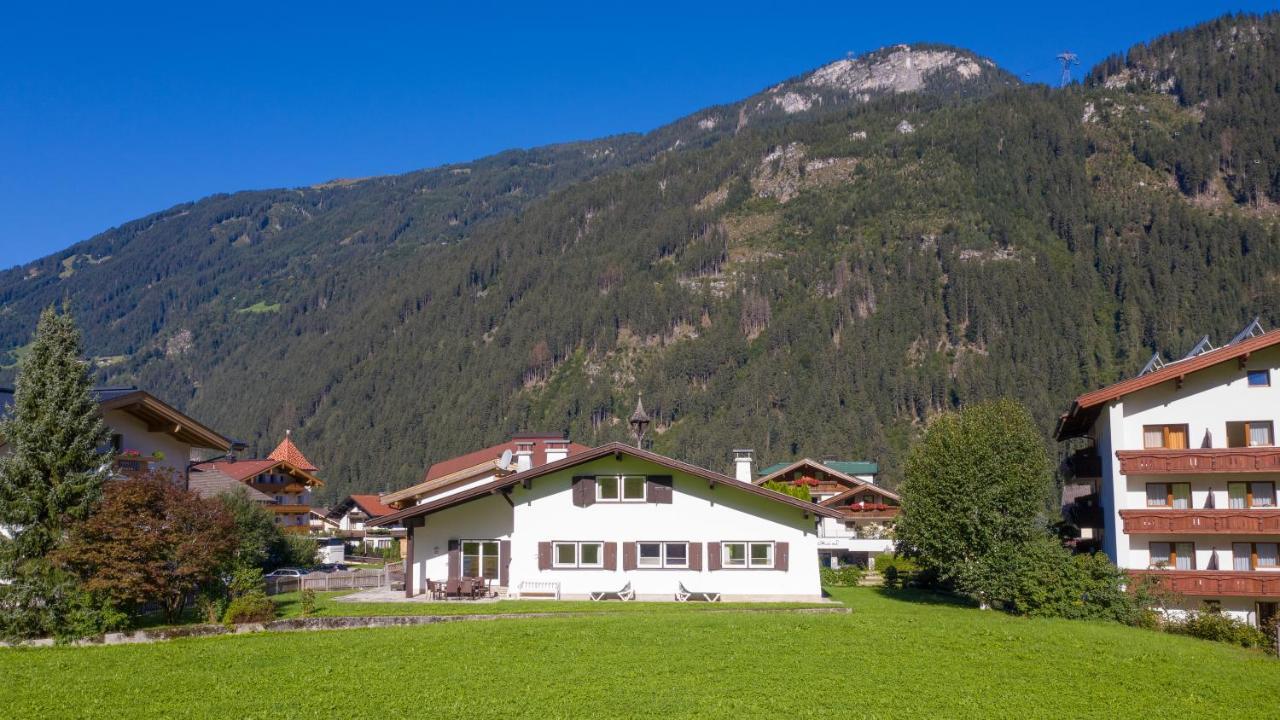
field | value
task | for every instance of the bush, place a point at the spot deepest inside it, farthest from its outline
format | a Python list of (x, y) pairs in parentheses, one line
[(246, 580), (1218, 627), (211, 606), (308, 602), (253, 607), (846, 576), (892, 578), (884, 561), (795, 491), (299, 551)]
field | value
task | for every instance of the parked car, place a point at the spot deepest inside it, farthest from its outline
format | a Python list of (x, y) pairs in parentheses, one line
[(286, 573), (333, 567)]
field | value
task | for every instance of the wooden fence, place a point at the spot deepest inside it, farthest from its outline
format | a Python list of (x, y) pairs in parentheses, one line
[(322, 581)]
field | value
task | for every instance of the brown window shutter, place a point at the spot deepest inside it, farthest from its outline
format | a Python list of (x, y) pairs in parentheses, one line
[(504, 563), (713, 556), (611, 556), (695, 556), (659, 490), (629, 556), (455, 560), (781, 556), (544, 556), (584, 490)]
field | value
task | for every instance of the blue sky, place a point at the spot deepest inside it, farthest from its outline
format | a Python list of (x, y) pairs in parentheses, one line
[(110, 111)]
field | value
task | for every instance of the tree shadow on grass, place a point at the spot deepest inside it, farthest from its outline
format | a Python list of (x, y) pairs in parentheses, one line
[(920, 596)]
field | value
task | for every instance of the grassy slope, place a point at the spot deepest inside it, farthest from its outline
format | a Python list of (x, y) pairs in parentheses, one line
[(288, 606), (890, 658)]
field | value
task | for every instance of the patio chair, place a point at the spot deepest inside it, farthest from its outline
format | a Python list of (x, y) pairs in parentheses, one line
[(436, 588), (453, 588), (685, 595), (626, 593)]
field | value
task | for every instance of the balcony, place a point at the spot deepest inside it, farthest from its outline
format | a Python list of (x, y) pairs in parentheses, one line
[(870, 511), (1198, 461), (1216, 583), (1083, 465), (1255, 521), (284, 508)]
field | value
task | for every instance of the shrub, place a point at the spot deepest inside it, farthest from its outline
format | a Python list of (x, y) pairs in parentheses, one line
[(891, 577), (211, 606), (253, 607), (884, 561), (246, 580), (308, 602), (796, 491), (846, 576), (299, 551), (1218, 627)]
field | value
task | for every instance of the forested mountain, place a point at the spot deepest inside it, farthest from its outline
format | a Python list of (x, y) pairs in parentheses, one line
[(815, 270)]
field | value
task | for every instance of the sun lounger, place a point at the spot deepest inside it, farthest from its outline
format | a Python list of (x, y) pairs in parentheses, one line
[(685, 595), (626, 593)]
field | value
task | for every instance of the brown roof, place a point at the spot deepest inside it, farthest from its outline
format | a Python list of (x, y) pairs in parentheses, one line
[(593, 454), (1077, 420), (209, 483), (245, 470), (290, 453), (842, 478), (159, 414), (370, 505), (477, 457), (843, 497)]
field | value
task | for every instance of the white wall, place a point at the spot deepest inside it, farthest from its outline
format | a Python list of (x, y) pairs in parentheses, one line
[(697, 513), (135, 436)]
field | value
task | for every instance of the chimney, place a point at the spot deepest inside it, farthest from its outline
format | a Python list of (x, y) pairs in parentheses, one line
[(556, 450), (742, 464), (524, 455)]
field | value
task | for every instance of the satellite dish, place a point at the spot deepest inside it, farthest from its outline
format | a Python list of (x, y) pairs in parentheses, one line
[(505, 461)]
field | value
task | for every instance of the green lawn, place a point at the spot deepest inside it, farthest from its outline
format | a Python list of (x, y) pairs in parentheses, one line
[(289, 605), (889, 658)]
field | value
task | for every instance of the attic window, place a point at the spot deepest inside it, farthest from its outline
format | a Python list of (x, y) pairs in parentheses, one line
[(1259, 378)]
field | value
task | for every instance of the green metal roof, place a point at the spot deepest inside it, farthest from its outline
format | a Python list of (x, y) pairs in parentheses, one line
[(848, 467)]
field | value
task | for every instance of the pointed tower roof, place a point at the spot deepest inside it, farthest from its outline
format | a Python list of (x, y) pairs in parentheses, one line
[(286, 451), (639, 415)]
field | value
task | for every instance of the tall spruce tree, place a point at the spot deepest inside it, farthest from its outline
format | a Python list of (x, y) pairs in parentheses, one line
[(51, 477)]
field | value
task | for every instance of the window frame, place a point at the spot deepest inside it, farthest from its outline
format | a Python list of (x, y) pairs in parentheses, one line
[(621, 485), (1173, 554), (747, 556), (1250, 374), (1164, 435), (1253, 556), (1169, 495), (1247, 433), (664, 563), (497, 557), (577, 563), (1249, 494)]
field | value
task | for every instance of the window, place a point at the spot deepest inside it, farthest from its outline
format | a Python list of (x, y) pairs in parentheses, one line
[(1169, 437), (1242, 495), (663, 555), (480, 558), (578, 555), (1253, 556), (1176, 556), (1170, 495), (117, 442), (626, 488), (1259, 378), (740, 555), (1250, 433)]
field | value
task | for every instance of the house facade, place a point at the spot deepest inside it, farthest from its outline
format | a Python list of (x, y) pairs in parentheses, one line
[(1182, 464), (147, 434), (864, 526), (602, 518), (349, 517), (285, 476)]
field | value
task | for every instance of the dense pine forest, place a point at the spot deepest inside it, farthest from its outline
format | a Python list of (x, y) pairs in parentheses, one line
[(814, 271)]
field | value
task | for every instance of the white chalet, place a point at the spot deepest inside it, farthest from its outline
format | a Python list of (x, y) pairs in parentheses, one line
[(598, 519), (1183, 465)]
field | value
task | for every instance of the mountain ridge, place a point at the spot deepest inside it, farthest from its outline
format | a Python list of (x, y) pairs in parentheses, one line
[(818, 282)]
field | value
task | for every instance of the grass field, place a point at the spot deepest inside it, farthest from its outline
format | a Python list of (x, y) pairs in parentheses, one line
[(892, 657)]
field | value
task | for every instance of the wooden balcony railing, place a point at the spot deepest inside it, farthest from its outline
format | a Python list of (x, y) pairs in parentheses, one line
[(1204, 460), (1163, 521), (1214, 583), (289, 508)]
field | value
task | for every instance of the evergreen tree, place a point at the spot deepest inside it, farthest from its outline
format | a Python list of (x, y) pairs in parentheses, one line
[(51, 477)]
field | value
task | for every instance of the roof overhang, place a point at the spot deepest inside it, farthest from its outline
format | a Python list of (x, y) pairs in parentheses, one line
[(427, 487), (159, 416), (498, 485), (1084, 410), (815, 464)]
